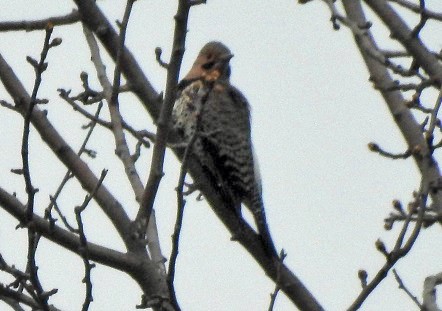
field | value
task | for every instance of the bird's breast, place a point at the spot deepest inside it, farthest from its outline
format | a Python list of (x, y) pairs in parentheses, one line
[(187, 108)]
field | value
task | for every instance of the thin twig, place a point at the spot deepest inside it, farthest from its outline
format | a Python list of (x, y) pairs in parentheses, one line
[(282, 256), (400, 249), (360, 31), (158, 52), (433, 121), (395, 54), (143, 136), (423, 20), (416, 8), (68, 175), (20, 297), (39, 68), (83, 242), (405, 289), (375, 148), (10, 106)]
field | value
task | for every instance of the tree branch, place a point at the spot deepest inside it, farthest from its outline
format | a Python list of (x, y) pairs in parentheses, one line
[(401, 32), (405, 289), (95, 20), (117, 124), (31, 267), (400, 249), (65, 238), (403, 117), (417, 9), (67, 19), (173, 70)]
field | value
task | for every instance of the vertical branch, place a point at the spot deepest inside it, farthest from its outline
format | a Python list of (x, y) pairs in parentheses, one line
[(429, 135), (39, 68), (122, 37), (83, 244), (156, 168), (94, 18), (180, 199), (178, 225), (122, 150)]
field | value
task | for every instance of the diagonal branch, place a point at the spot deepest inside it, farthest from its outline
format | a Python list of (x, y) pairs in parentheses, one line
[(401, 32), (417, 9), (65, 238), (95, 20), (405, 121), (17, 296)]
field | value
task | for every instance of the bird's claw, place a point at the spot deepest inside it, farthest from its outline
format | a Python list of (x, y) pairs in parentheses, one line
[(191, 188)]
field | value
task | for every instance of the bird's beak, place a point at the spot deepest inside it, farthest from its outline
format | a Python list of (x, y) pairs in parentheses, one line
[(227, 57)]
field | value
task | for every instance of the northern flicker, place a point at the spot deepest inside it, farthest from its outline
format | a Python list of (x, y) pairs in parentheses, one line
[(219, 114)]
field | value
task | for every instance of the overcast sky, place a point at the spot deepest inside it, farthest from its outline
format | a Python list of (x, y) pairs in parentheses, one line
[(313, 113)]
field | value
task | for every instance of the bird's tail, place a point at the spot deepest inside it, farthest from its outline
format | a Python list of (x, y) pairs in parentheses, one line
[(257, 209)]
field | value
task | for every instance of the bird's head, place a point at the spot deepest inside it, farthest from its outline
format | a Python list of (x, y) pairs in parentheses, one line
[(212, 63)]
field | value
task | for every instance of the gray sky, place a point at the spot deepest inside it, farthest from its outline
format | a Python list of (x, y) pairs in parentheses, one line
[(313, 110)]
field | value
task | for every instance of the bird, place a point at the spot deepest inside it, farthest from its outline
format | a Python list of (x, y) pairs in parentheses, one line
[(215, 116)]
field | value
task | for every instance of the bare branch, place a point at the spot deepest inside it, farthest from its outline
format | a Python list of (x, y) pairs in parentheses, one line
[(158, 52), (40, 295), (66, 155), (400, 249), (96, 21), (68, 175), (405, 289), (117, 260), (83, 242), (418, 9), (433, 121), (404, 119), (401, 32), (111, 95), (375, 148), (143, 136), (423, 19), (180, 199), (70, 18), (18, 296), (156, 168), (120, 141)]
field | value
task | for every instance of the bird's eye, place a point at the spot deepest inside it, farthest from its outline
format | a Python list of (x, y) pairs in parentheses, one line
[(208, 65)]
